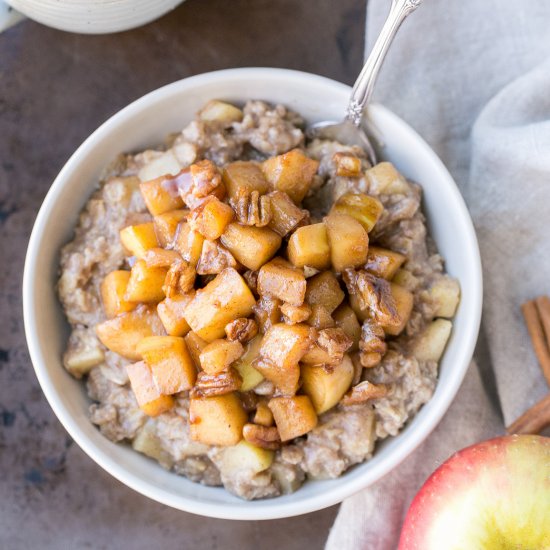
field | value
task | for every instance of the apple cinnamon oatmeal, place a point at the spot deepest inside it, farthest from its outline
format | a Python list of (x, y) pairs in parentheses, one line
[(251, 309)]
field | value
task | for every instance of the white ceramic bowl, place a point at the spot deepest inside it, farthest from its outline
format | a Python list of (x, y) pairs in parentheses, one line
[(94, 16), (145, 123)]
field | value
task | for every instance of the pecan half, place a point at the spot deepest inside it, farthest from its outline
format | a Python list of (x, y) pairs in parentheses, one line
[(374, 294), (262, 436), (214, 259), (179, 279), (251, 208), (241, 329), (363, 392), (208, 385)]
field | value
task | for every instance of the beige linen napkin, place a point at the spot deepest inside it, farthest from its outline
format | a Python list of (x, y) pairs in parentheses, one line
[(473, 78)]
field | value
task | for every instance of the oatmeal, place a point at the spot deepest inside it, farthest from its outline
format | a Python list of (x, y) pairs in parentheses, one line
[(251, 309)]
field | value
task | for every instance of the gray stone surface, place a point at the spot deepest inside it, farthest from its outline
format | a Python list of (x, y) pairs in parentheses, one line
[(55, 88)]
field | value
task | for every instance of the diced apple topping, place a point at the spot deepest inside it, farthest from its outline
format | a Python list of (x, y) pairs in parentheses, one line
[(324, 290), (347, 165), (308, 245), (245, 365), (189, 243), (383, 263), (113, 289), (348, 240), (433, 340), (294, 416), (245, 457), (161, 195), (285, 215), (210, 218), (244, 176), (171, 312), (445, 292), (219, 354), (137, 239), (166, 226), (385, 179), (282, 280), (145, 283), (365, 209), (219, 111)]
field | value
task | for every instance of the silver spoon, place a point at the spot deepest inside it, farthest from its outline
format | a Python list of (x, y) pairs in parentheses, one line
[(349, 131)]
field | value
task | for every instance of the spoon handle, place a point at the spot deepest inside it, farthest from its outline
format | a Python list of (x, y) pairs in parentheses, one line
[(364, 85)]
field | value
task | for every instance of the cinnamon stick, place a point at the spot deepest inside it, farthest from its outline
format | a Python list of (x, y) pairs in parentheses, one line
[(534, 323), (534, 420)]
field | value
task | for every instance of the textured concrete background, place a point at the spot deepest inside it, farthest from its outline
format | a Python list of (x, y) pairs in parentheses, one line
[(55, 88)]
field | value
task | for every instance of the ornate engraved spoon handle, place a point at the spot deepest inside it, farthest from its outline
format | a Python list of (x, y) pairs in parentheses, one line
[(364, 85)]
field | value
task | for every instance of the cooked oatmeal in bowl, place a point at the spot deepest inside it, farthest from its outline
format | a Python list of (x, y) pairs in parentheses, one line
[(251, 309)]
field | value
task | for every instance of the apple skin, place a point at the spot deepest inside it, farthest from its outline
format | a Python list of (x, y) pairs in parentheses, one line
[(493, 495)]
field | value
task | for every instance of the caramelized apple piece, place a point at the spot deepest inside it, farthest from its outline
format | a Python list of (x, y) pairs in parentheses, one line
[(214, 259), (123, 333), (160, 257), (404, 301), (349, 242), (365, 209), (406, 279), (148, 396), (346, 319), (383, 262), (225, 298), (295, 314), (162, 164), (251, 377), (219, 111), (171, 312), (195, 344), (251, 246), (294, 416), (445, 292), (244, 176), (324, 289), (171, 364), (210, 218), (137, 239), (113, 289), (385, 179), (309, 246), (267, 312), (347, 165), (217, 420), (291, 172), (161, 195), (189, 243), (263, 415), (245, 458), (326, 386), (280, 279), (219, 354), (145, 283), (166, 226), (320, 318), (431, 344), (285, 215)]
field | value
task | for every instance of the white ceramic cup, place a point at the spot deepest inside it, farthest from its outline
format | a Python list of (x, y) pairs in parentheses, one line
[(94, 16), (145, 123)]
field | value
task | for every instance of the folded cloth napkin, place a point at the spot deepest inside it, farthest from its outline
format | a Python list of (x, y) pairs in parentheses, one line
[(473, 78)]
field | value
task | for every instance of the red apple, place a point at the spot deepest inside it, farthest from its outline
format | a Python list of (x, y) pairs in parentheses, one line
[(491, 496)]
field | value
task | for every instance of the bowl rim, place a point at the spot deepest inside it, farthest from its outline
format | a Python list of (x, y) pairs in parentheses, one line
[(346, 487)]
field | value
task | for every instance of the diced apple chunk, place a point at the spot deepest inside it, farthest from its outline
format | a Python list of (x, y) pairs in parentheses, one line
[(189, 243), (244, 365), (137, 239), (365, 209), (245, 457), (170, 363), (291, 172), (113, 289), (219, 111), (210, 218), (219, 354), (244, 177), (309, 246), (217, 420), (404, 301), (160, 195), (267, 312), (123, 333), (280, 279), (445, 292), (171, 312), (148, 443), (163, 164), (385, 179), (145, 283), (285, 214), (195, 344), (166, 226), (347, 165), (263, 415), (326, 387), (320, 318), (349, 242), (431, 343), (294, 416), (225, 298), (148, 396), (383, 262), (251, 246), (324, 290), (406, 279), (346, 319)]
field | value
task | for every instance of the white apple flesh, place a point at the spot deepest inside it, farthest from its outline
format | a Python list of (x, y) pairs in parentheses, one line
[(491, 496)]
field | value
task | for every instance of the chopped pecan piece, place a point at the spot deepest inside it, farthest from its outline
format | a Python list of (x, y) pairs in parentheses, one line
[(214, 259), (249, 400), (159, 257), (179, 279), (335, 342), (251, 278), (369, 360), (208, 385), (241, 329), (295, 314), (251, 208), (262, 436), (374, 294), (363, 392), (357, 369), (372, 346)]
